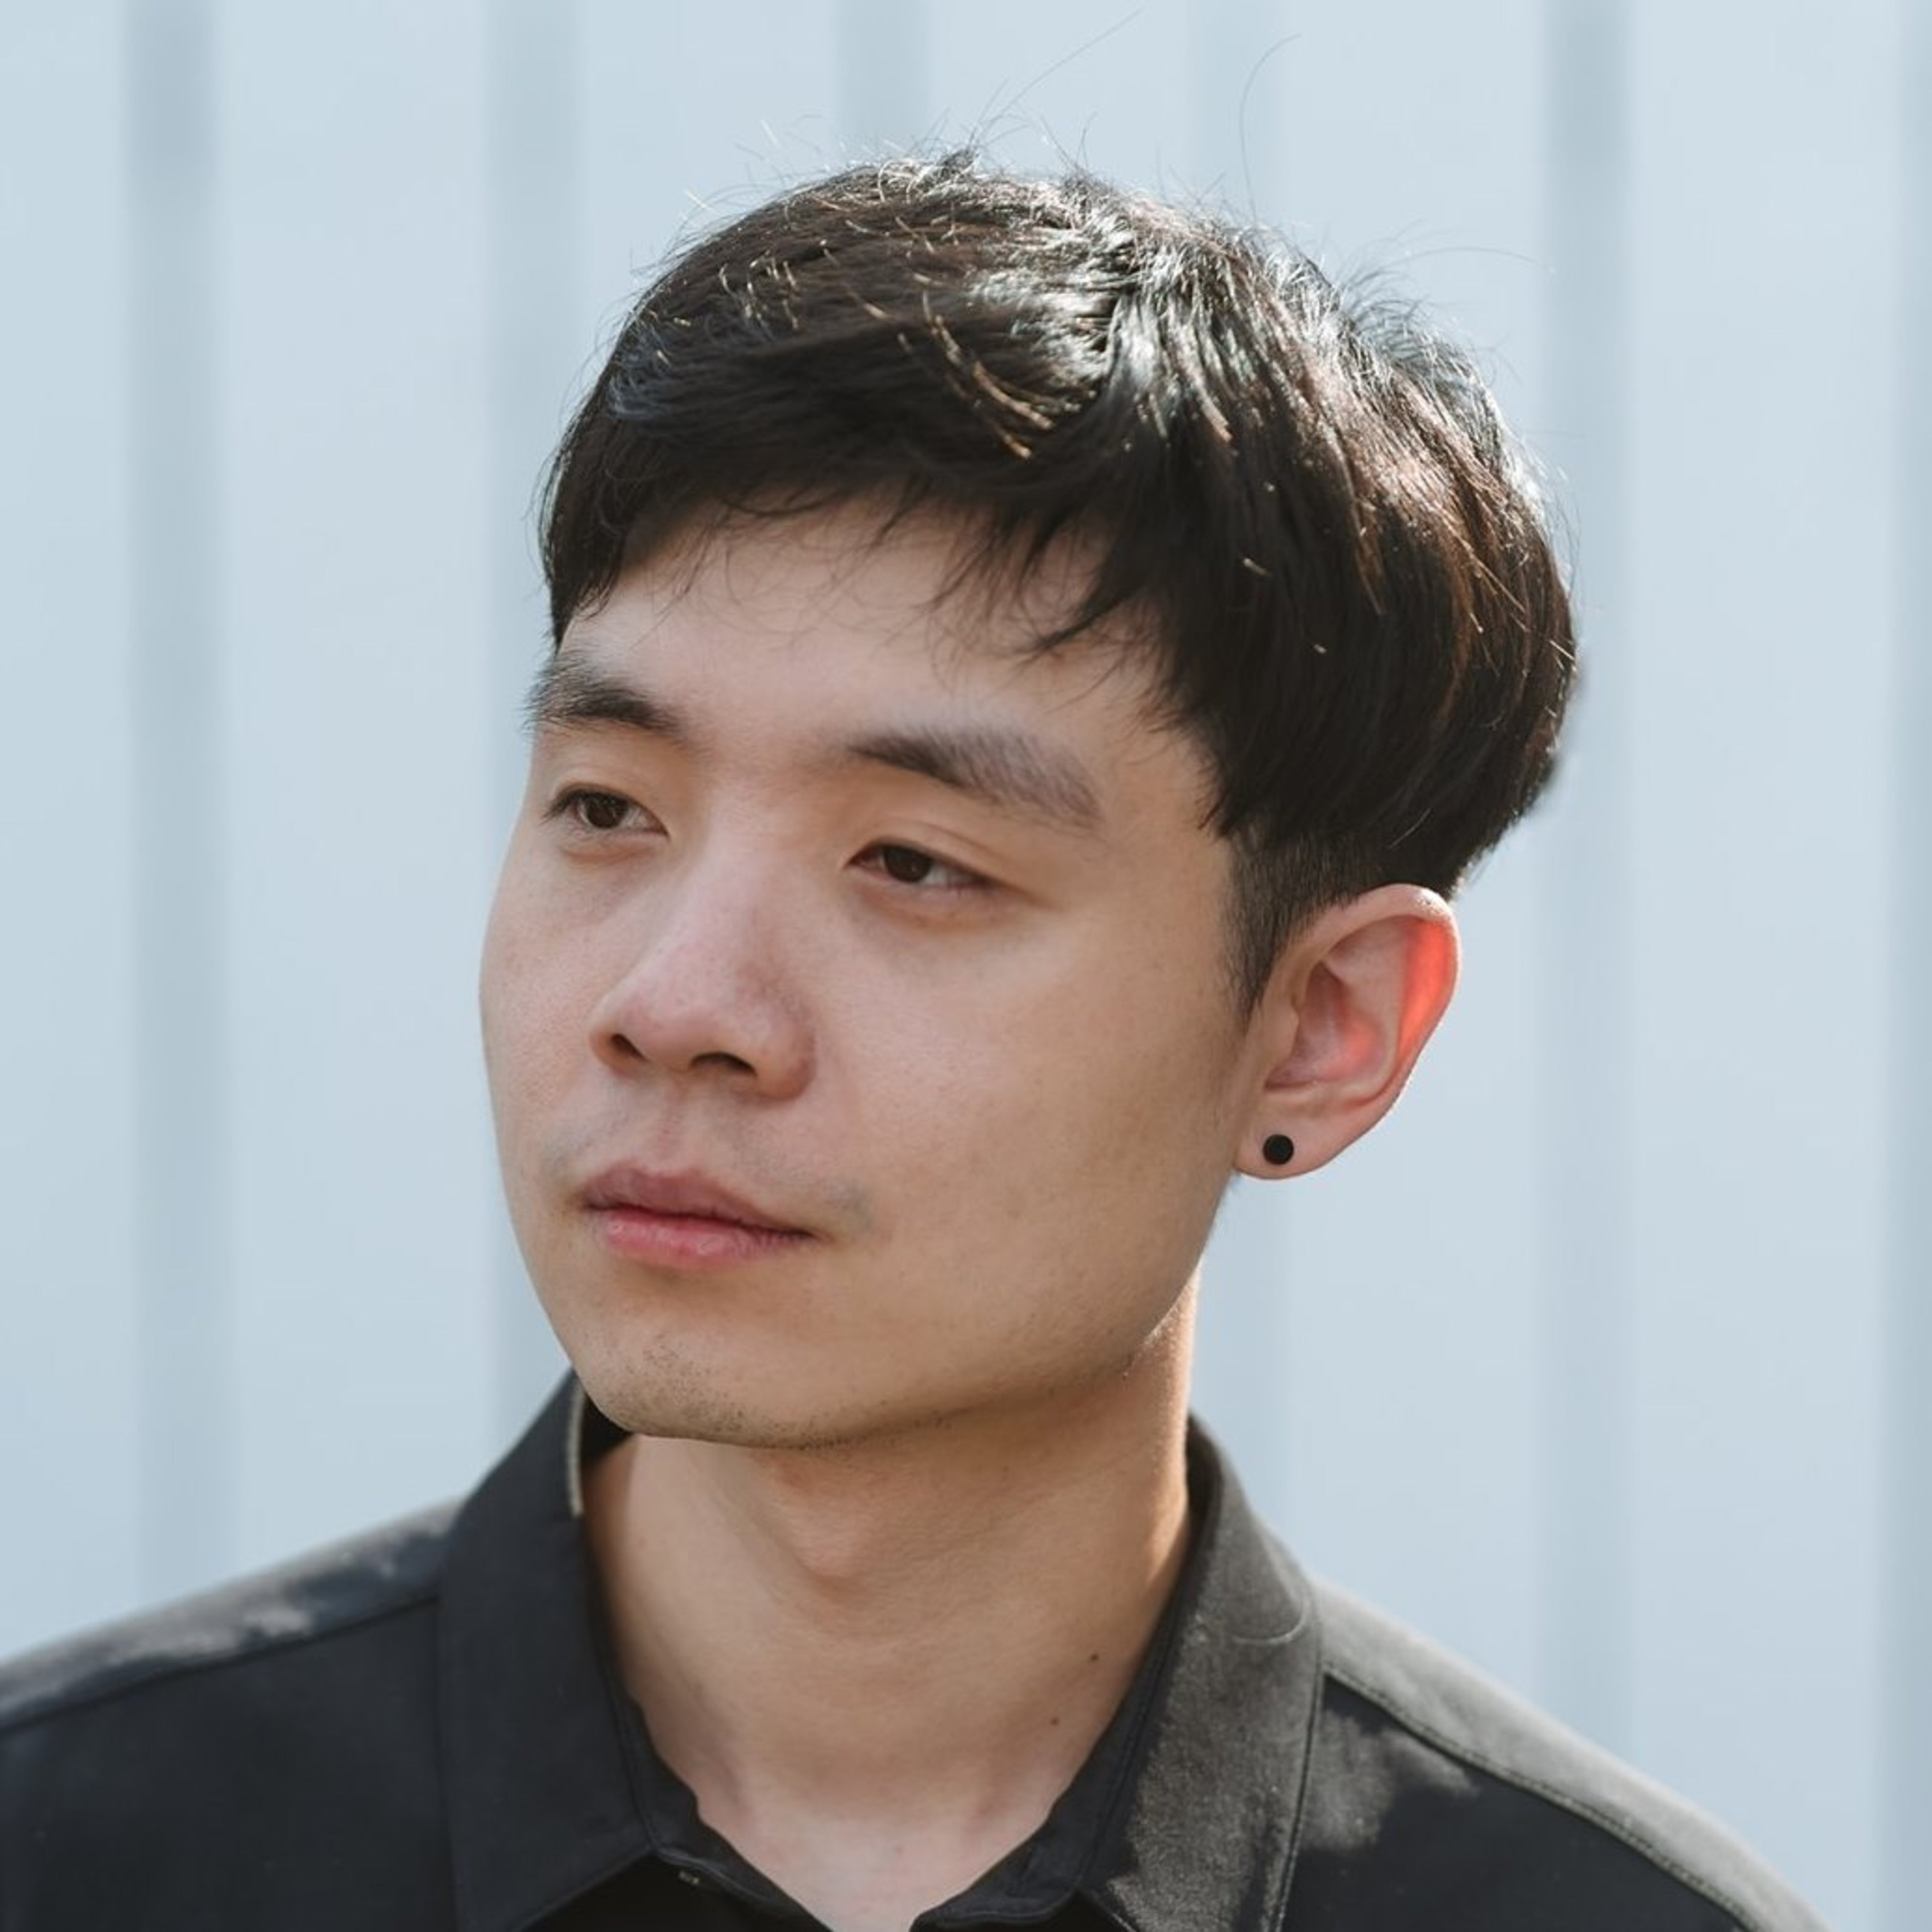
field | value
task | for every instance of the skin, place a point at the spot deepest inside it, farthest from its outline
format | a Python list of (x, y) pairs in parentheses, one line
[(826, 892)]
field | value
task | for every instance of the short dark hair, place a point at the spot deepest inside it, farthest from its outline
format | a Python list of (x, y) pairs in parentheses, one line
[(1355, 608)]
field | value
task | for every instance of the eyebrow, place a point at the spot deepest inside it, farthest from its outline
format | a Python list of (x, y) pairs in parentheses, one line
[(568, 692), (1007, 769)]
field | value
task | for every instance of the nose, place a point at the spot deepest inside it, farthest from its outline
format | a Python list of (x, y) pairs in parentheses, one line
[(705, 985)]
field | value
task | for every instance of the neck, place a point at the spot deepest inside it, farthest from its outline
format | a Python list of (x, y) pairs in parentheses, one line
[(970, 1599)]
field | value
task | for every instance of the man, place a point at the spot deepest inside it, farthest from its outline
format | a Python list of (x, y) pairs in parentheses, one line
[(1029, 670)]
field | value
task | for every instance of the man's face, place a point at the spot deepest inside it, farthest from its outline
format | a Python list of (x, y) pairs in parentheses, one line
[(855, 1000)]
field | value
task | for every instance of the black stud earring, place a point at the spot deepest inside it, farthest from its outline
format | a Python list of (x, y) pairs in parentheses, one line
[(1277, 1150)]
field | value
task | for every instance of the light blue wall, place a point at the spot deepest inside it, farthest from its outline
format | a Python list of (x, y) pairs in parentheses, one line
[(1603, 1361)]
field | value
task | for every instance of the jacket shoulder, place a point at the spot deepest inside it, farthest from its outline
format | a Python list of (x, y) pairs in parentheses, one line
[(328, 1591), (1460, 1745)]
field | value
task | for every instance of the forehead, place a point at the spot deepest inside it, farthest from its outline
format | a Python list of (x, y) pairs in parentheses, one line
[(926, 577), (788, 621)]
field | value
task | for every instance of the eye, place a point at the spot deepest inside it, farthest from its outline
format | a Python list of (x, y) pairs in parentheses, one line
[(907, 866), (591, 811)]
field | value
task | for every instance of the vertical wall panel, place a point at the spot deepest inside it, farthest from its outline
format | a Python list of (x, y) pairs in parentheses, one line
[(71, 826), (182, 1118), (884, 66), (1905, 1664), (1763, 295), (358, 658), (1586, 1533), (1240, 93)]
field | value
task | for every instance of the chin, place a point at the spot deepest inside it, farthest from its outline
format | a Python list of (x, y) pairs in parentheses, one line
[(663, 1398), (673, 1399)]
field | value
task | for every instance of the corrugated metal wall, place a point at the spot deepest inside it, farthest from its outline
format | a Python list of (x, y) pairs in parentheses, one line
[(1606, 1360)]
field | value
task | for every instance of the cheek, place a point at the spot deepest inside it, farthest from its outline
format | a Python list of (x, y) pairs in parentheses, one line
[(1083, 1126), (525, 1004)]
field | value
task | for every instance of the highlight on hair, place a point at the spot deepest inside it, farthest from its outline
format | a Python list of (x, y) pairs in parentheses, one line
[(1345, 585)]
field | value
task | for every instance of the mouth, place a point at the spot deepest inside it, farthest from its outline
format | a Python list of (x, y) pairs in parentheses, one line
[(684, 1221)]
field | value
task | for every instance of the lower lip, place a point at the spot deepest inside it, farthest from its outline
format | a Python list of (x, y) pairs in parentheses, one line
[(689, 1241)]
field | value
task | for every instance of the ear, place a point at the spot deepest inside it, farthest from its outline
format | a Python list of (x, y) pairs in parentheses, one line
[(1352, 1004)]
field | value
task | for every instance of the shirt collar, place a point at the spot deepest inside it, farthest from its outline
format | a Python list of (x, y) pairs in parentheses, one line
[(540, 1801), (540, 1765), (1207, 1826)]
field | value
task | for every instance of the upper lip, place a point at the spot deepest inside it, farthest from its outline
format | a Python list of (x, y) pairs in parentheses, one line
[(684, 1193)]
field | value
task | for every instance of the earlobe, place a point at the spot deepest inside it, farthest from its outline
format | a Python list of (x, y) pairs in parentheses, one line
[(1354, 1000)]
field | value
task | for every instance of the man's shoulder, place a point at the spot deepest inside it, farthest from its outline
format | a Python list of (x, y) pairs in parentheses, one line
[(1471, 1775), (250, 1757), (356, 1586)]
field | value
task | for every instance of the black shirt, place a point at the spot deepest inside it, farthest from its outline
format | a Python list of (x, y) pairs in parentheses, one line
[(423, 1728)]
